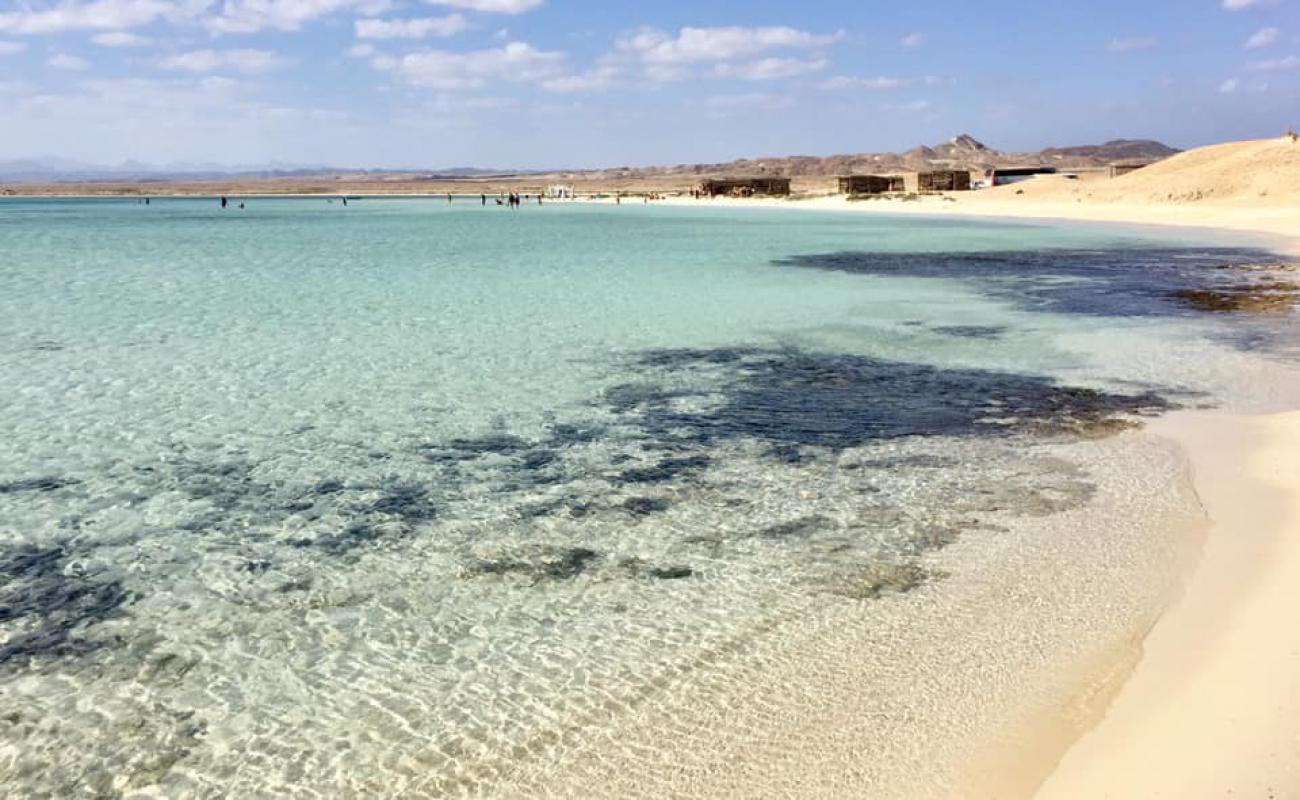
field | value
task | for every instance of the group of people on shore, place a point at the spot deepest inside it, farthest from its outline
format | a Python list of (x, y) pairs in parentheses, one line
[(513, 200)]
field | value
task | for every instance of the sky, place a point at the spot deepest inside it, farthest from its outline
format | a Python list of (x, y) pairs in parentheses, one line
[(604, 83)]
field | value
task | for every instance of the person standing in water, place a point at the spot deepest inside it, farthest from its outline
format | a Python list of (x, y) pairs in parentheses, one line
[(483, 197), (224, 202)]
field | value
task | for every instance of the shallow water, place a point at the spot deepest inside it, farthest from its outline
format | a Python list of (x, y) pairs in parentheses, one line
[(323, 501)]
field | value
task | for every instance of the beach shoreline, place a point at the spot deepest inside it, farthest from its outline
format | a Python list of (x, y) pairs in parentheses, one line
[(1223, 655), (1211, 706)]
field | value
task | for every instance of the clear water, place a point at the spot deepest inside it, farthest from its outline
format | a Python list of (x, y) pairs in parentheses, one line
[(405, 497)]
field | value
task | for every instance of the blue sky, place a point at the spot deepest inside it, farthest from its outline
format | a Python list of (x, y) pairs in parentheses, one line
[(558, 83)]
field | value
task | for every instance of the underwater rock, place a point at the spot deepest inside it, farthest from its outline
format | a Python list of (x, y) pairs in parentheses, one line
[(800, 527), (541, 562), (48, 603), (408, 501), (876, 580), (644, 506), (638, 568), (1253, 298), (793, 399), (1090, 282), (665, 470), (971, 331), (46, 483)]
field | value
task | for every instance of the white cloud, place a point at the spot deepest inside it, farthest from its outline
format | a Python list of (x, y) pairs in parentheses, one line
[(1263, 38), (76, 15), (248, 61), (845, 82), (1122, 44), (769, 69), (361, 50), (249, 16), (490, 6), (912, 40), (1236, 86), (121, 39), (913, 106), (1275, 64), (1241, 5), (695, 45), (601, 77), (12, 48), (67, 62), (411, 28), (437, 69), (758, 100)]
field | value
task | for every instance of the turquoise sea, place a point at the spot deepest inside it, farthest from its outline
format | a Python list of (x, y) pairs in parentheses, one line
[(417, 499)]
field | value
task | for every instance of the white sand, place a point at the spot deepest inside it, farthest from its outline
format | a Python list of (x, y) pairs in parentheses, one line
[(1213, 707)]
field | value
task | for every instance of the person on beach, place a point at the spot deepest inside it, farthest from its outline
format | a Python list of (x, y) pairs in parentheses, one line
[(448, 198)]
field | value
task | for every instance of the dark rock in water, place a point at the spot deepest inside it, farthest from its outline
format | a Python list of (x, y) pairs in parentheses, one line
[(971, 331), (496, 444), (538, 563), (226, 485), (408, 501), (565, 435), (671, 573), (876, 580), (1111, 282), (800, 527), (671, 357), (789, 454), (257, 567), (665, 470), (1251, 298), (50, 605), (917, 461), (538, 459), (637, 568), (327, 488), (46, 483), (629, 396), (793, 399), (458, 450), (645, 506)]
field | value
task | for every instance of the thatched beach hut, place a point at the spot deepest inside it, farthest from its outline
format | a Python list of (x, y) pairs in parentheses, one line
[(943, 181), (746, 187), (858, 185)]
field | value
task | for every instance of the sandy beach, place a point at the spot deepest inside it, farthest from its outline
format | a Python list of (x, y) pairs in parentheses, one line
[(1213, 706)]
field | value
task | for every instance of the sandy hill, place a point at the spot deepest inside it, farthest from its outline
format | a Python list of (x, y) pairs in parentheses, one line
[(1263, 173)]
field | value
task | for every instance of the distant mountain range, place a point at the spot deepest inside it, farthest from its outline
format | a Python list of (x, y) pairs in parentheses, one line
[(963, 152), (42, 170)]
